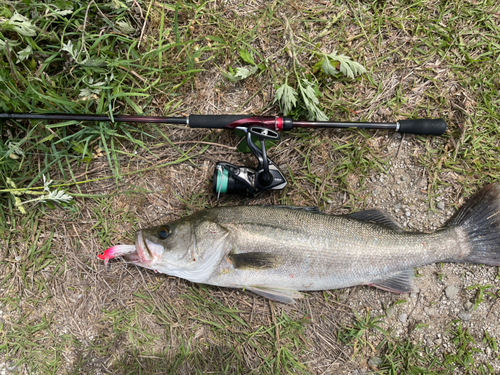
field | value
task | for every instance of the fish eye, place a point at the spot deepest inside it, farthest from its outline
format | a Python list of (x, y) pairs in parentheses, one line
[(164, 232)]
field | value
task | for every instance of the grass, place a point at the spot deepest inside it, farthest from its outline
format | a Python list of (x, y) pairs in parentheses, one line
[(404, 356), (61, 311)]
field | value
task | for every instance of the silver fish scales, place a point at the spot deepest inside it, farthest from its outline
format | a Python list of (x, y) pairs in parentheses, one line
[(278, 251)]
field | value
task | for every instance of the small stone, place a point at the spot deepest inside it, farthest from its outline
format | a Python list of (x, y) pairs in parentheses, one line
[(469, 306), (464, 315), (451, 292), (441, 205), (343, 297), (402, 318), (375, 361), (430, 311), (422, 183), (389, 312), (11, 366), (438, 342)]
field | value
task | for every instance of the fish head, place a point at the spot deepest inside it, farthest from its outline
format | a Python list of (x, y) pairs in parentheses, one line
[(188, 248), (166, 245)]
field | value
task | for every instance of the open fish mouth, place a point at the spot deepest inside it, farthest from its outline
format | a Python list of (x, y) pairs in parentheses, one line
[(139, 246), (147, 251), (144, 251)]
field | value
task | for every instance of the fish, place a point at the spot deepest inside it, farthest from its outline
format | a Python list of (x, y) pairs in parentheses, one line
[(278, 252)]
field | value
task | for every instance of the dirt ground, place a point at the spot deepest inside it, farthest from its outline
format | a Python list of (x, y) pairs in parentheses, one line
[(87, 287), (408, 176)]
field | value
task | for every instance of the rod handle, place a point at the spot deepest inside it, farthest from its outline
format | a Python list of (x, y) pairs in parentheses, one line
[(422, 126)]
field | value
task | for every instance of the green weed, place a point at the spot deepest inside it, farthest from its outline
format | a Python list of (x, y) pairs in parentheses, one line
[(359, 333)]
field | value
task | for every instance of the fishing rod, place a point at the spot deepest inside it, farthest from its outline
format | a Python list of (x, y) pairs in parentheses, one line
[(229, 178), (418, 126)]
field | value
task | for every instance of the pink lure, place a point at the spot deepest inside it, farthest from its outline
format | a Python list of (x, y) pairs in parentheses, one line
[(116, 251)]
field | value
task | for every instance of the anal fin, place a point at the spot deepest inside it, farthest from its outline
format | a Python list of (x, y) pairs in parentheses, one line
[(276, 294), (402, 282)]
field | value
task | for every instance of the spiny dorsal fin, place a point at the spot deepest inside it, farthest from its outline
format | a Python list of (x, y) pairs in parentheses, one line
[(378, 217), (311, 209), (403, 282), (255, 260)]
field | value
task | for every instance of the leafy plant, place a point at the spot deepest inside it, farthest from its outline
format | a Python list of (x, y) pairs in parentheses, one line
[(306, 94), (286, 96), (464, 350), (358, 333), (480, 293), (241, 73), (56, 196), (490, 340), (334, 65), (20, 24)]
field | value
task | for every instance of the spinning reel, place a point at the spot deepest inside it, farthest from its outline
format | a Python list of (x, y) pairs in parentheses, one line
[(231, 179)]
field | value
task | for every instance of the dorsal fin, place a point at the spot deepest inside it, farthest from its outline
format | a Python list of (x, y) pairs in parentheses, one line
[(311, 209), (378, 217)]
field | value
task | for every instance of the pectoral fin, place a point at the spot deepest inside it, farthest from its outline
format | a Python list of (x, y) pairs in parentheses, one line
[(275, 294), (403, 282), (255, 260)]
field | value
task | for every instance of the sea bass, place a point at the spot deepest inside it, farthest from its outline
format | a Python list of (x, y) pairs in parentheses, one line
[(278, 251)]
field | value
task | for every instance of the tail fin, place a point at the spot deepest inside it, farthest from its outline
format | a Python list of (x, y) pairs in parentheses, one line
[(480, 220)]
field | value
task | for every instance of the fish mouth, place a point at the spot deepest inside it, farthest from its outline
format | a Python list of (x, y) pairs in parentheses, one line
[(140, 245), (147, 251)]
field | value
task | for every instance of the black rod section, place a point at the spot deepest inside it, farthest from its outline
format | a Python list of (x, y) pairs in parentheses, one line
[(331, 124), (118, 118), (417, 126)]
